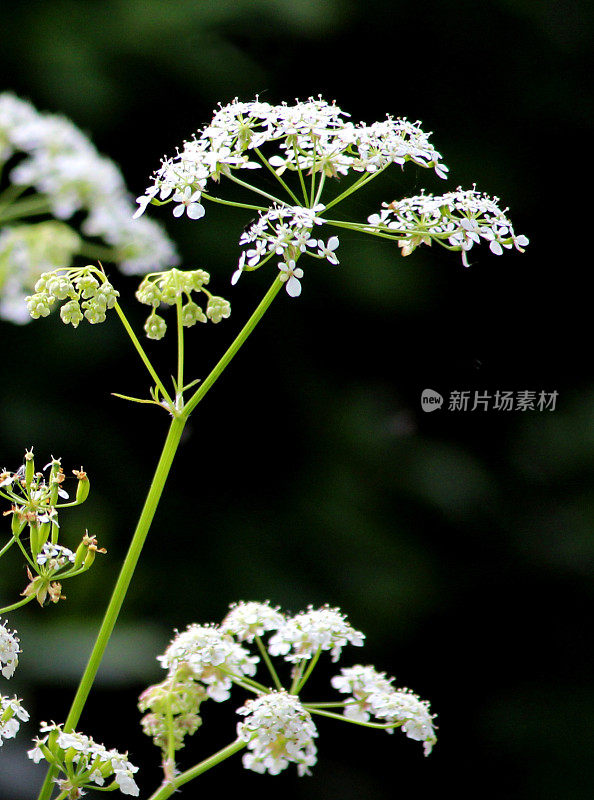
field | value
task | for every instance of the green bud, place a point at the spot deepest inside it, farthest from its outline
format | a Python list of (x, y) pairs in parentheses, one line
[(218, 308), (199, 278), (149, 293), (108, 294), (71, 313), (94, 312), (38, 305), (87, 285), (191, 314), (155, 326), (61, 287)]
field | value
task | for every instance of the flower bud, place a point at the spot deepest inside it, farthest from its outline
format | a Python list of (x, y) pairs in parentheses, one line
[(71, 313), (155, 326), (218, 308)]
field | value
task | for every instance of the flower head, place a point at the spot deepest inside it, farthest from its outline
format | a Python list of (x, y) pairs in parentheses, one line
[(247, 620), (303, 635), (12, 714), (278, 731), (212, 657), (372, 694), (9, 651), (83, 762)]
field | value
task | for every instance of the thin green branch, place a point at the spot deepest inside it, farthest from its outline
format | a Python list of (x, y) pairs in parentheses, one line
[(233, 349), (143, 356)]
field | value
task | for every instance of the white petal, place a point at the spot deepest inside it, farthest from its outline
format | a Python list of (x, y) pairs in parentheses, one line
[(293, 287)]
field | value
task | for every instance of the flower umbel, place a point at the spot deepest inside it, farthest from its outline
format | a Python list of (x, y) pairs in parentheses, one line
[(12, 714), (278, 731), (83, 762), (9, 651), (206, 660)]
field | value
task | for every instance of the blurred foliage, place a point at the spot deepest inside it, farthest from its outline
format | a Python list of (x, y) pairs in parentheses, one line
[(461, 543)]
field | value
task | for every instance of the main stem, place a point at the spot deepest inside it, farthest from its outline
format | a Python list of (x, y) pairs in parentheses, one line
[(121, 587)]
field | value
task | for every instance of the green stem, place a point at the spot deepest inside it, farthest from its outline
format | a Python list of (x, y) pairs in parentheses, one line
[(285, 186), (377, 725), (117, 598), (167, 789), (237, 343), (17, 605), (180, 349), (255, 189), (7, 546), (268, 662), (143, 355)]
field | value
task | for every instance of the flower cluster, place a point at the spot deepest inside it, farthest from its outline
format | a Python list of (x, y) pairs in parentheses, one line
[(285, 231), (50, 155), (83, 762), (372, 694), (212, 657), (12, 714), (278, 730), (86, 297), (461, 218), (170, 288), (204, 661), (35, 504), (245, 621), (310, 136), (304, 635), (9, 651), (173, 707)]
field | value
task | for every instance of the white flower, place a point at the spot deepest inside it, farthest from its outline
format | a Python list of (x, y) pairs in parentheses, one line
[(462, 219), (360, 682), (247, 620), (55, 556), (315, 629), (12, 714), (410, 711), (188, 202), (88, 753), (372, 694), (278, 731), (327, 251), (9, 651), (212, 656), (290, 275)]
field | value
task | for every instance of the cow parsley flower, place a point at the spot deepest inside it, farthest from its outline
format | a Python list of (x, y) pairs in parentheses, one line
[(278, 731), (372, 694), (12, 714), (9, 651), (83, 761), (457, 220), (248, 620), (212, 656), (302, 636)]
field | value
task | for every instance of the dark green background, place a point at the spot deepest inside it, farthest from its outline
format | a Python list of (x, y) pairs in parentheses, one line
[(460, 543)]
